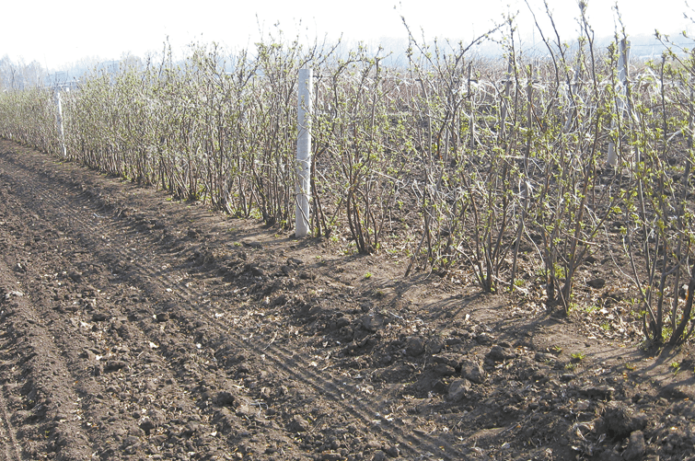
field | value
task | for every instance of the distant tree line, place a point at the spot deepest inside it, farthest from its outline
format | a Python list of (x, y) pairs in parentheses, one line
[(18, 75)]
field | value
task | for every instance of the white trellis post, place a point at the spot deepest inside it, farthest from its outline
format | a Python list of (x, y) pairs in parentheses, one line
[(61, 133), (302, 211), (505, 100), (471, 98), (621, 108)]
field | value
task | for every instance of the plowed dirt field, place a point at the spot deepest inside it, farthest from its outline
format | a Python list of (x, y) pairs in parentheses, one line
[(136, 327)]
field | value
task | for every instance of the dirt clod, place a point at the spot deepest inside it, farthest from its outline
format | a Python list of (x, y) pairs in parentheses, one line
[(114, 365), (500, 354), (597, 283), (99, 317), (298, 424), (372, 322), (472, 371), (636, 447), (597, 392), (458, 389), (415, 346), (619, 420), (224, 398)]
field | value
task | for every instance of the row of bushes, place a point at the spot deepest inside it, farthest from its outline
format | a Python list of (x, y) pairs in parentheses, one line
[(456, 160)]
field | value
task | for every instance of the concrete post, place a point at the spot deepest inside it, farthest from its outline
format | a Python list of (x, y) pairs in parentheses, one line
[(61, 133), (302, 210), (623, 62)]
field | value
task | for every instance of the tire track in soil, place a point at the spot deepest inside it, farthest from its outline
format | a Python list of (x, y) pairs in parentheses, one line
[(79, 215), (71, 214), (8, 439), (71, 345), (28, 359)]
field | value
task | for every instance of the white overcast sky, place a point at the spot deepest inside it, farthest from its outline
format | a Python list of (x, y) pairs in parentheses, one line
[(59, 32)]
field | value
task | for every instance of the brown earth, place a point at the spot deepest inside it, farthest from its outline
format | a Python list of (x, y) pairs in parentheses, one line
[(135, 327)]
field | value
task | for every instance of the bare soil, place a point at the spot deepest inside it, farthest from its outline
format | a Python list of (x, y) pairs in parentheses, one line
[(135, 327)]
